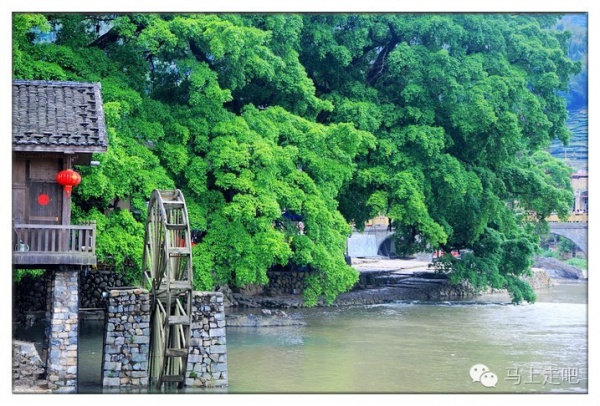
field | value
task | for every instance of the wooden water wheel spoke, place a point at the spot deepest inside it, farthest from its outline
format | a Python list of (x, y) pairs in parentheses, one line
[(167, 268), (157, 345)]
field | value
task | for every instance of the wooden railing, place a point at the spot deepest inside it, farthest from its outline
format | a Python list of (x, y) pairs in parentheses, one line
[(55, 238)]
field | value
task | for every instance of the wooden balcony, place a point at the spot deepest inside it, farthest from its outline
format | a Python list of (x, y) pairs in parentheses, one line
[(37, 245)]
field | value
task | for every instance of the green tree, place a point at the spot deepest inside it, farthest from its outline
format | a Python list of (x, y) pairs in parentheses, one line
[(566, 248), (438, 121), (462, 106), (222, 110)]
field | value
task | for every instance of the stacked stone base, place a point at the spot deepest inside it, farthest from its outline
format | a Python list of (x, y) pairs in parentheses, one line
[(207, 362), (63, 313), (286, 283), (127, 340), (28, 369)]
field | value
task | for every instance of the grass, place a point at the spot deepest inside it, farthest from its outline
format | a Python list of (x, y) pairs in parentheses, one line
[(578, 262)]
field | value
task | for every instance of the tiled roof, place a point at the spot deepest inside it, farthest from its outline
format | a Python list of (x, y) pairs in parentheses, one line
[(57, 117)]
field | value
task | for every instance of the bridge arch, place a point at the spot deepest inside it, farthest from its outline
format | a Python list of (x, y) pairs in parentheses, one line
[(575, 232), (370, 243), (386, 247)]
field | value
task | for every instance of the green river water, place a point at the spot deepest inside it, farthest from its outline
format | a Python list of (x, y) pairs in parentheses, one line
[(402, 348)]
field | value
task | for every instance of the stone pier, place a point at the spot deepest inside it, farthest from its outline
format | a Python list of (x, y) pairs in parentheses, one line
[(207, 360), (127, 337), (62, 331)]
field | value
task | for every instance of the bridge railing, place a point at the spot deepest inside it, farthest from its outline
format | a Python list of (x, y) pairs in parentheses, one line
[(573, 218)]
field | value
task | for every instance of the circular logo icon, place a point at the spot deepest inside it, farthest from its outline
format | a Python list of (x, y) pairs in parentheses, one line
[(488, 379), (476, 372)]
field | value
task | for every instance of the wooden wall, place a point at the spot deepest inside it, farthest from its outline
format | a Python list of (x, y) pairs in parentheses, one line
[(34, 176)]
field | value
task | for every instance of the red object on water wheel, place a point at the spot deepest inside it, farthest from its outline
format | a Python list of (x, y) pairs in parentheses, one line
[(68, 178)]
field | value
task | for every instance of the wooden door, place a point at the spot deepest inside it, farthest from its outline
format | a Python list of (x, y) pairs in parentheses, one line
[(45, 203)]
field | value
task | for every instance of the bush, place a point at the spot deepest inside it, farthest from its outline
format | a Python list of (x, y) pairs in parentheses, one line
[(549, 254), (578, 262), (18, 274)]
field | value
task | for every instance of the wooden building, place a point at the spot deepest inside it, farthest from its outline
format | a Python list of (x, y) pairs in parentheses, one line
[(55, 126)]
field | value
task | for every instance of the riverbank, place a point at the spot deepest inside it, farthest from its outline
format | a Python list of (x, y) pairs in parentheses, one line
[(381, 280), (384, 280)]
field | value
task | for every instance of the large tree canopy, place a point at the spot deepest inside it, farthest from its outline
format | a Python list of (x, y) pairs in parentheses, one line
[(438, 121), (463, 107)]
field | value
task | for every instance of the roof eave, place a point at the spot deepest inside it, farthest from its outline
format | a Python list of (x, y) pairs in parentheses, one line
[(63, 149)]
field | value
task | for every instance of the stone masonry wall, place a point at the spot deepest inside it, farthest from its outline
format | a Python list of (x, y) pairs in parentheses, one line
[(63, 336), (286, 282), (94, 283), (126, 348), (207, 360), (27, 368), (29, 294), (127, 339)]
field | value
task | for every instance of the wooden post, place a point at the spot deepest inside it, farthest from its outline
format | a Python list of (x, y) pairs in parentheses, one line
[(66, 201)]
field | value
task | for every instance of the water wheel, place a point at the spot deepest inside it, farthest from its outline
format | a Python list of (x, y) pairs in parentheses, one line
[(167, 268)]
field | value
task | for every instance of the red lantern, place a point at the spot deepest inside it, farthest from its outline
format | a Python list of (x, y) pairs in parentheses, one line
[(68, 178)]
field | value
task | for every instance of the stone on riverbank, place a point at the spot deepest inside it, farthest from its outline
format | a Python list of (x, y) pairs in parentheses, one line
[(390, 281), (277, 319), (27, 368), (556, 269)]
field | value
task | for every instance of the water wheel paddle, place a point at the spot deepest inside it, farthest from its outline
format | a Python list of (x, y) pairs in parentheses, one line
[(167, 269)]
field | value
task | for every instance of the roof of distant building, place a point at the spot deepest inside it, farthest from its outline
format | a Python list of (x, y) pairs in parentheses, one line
[(52, 116)]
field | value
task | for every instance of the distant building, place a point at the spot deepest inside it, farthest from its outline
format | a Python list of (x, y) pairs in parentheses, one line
[(579, 210), (379, 221), (579, 181)]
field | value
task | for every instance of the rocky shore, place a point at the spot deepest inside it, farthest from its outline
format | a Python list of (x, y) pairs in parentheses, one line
[(559, 271), (391, 280), (381, 281)]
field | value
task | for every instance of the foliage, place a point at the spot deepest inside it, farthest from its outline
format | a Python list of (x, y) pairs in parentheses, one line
[(210, 105), (118, 240), (438, 121), (462, 106), (495, 261), (577, 26), (565, 246), (19, 274), (578, 262), (549, 254)]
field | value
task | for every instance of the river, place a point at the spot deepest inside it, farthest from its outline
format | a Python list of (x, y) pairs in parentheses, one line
[(405, 347)]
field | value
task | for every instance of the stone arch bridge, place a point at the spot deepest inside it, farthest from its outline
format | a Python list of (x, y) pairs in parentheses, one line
[(576, 232), (376, 240), (373, 241)]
